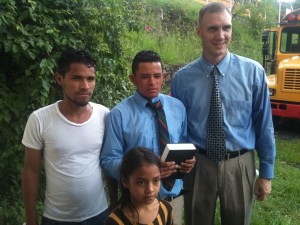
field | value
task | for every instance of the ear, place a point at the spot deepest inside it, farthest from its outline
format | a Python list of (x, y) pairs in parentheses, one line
[(199, 31), (124, 182), (58, 78), (132, 79)]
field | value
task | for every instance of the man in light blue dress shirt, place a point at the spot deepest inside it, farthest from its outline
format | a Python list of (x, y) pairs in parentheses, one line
[(132, 123), (247, 125)]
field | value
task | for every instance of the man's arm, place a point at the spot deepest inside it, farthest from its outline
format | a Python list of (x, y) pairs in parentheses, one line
[(112, 149), (31, 184), (111, 156), (189, 164), (265, 141)]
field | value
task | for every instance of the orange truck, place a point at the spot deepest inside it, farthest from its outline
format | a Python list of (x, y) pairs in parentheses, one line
[(281, 60)]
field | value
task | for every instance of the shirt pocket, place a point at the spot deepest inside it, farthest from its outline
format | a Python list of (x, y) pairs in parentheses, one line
[(237, 113)]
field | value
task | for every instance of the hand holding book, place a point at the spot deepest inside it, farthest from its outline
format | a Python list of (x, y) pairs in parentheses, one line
[(179, 153)]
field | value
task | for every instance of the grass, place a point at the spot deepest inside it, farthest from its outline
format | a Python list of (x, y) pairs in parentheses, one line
[(282, 207), (176, 48), (166, 44)]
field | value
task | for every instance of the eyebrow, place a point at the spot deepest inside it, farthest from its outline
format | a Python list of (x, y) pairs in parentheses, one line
[(80, 75), (228, 26), (216, 27), (142, 178)]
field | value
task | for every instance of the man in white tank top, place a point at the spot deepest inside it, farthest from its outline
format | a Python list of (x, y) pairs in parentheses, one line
[(68, 136)]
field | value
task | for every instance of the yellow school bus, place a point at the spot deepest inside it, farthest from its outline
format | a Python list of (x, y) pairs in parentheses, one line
[(281, 60)]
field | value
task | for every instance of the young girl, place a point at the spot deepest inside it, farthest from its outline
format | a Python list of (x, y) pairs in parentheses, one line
[(140, 183)]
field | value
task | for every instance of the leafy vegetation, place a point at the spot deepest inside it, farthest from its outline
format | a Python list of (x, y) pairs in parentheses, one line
[(33, 34)]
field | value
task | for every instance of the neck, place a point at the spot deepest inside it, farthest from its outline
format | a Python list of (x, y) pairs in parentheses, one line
[(214, 60), (146, 213), (75, 113)]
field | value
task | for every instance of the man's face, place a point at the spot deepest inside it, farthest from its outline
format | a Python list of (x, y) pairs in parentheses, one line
[(148, 79), (215, 32), (78, 84)]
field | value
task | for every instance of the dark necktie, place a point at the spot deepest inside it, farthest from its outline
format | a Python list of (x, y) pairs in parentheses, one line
[(215, 142), (162, 124), (163, 136)]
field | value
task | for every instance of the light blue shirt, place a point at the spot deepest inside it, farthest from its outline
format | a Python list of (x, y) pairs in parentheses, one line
[(245, 105), (132, 124)]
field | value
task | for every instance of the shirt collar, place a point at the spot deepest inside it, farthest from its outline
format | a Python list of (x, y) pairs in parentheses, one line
[(222, 66), (141, 101)]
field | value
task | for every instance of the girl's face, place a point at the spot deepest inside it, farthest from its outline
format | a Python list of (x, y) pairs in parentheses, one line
[(143, 184)]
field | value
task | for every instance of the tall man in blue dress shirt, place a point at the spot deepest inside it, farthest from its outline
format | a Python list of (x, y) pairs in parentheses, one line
[(132, 123), (247, 125)]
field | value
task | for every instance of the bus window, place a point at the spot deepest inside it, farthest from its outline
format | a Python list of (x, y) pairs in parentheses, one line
[(290, 40)]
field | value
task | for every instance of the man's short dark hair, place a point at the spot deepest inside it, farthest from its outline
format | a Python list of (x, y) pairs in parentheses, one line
[(144, 56), (71, 56)]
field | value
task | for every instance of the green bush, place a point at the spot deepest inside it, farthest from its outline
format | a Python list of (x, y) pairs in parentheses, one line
[(32, 36)]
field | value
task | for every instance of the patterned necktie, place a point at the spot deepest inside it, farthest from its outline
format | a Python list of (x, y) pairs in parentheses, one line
[(164, 138), (215, 142), (162, 124)]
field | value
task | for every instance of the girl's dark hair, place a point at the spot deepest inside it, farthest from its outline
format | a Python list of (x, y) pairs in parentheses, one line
[(71, 56), (133, 160)]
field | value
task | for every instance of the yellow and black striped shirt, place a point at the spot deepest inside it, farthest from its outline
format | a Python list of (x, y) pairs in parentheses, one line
[(164, 216)]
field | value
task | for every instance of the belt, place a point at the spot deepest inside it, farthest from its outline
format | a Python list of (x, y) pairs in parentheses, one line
[(229, 154)]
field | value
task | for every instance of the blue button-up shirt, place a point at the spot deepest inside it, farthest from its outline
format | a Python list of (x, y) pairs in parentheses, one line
[(245, 105), (131, 124)]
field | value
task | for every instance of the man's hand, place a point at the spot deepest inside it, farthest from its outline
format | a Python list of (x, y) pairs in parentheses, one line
[(187, 166), (167, 169), (262, 188)]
